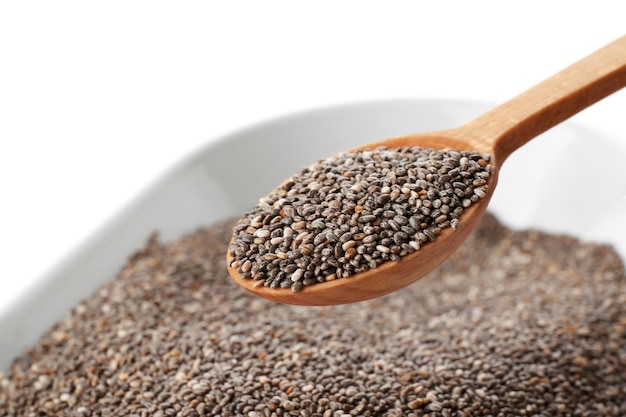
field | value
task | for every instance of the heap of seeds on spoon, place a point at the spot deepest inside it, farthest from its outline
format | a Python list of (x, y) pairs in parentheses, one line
[(353, 211)]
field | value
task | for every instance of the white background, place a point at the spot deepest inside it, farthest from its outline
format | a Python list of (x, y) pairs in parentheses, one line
[(98, 98)]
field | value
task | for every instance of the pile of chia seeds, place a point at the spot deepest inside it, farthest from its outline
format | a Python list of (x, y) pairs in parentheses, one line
[(353, 211), (516, 323)]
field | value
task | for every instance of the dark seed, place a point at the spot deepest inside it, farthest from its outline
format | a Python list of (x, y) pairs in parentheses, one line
[(358, 194)]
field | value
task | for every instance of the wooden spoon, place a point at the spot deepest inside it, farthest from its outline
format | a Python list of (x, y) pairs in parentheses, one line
[(498, 132)]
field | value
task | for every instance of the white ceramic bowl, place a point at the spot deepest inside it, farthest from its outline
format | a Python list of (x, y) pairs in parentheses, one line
[(569, 180)]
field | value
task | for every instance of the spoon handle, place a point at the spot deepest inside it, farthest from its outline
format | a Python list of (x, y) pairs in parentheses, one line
[(515, 122)]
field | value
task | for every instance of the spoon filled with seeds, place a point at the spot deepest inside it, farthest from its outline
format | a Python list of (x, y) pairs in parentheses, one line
[(371, 220)]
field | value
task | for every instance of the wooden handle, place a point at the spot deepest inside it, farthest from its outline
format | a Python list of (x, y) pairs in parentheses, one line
[(510, 125)]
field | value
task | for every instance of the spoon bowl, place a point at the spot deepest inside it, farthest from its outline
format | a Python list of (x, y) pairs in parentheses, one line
[(498, 133)]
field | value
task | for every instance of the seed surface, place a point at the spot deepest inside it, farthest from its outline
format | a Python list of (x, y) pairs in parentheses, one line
[(516, 323), (379, 205)]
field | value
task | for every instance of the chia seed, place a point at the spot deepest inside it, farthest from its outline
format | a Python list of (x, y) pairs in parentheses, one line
[(368, 193), (515, 323)]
